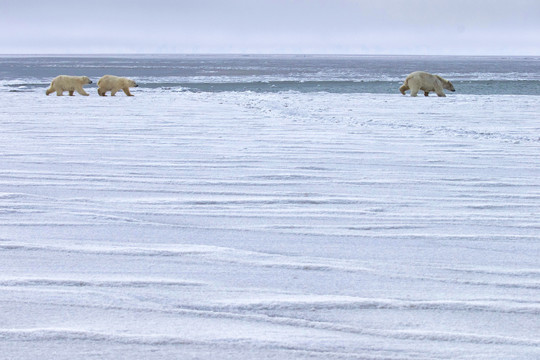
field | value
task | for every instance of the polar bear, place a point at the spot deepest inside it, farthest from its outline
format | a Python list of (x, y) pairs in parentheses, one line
[(68, 83), (113, 84), (420, 80)]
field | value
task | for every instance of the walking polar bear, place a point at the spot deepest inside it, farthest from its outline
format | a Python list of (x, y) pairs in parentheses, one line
[(113, 84), (420, 80), (68, 83)]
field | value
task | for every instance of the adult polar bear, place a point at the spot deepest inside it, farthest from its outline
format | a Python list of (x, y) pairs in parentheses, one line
[(421, 80), (68, 83), (113, 84)]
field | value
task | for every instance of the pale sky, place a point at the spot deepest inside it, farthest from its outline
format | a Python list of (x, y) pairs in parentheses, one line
[(445, 27)]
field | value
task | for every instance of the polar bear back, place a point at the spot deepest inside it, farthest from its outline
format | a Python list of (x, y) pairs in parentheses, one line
[(113, 82), (424, 80), (68, 80)]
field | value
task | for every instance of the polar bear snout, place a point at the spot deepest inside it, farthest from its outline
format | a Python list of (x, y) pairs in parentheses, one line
[(136, 85)]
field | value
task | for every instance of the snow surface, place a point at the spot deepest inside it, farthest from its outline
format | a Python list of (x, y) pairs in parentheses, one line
[(178, 225)]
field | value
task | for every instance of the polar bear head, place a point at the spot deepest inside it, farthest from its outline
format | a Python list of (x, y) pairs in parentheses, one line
[(85, 80), (132, 83), (446, 84)]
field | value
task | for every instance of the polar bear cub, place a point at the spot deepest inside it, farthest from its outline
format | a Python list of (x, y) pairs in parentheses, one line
[(421, 80), (113, 84), (68, 83)]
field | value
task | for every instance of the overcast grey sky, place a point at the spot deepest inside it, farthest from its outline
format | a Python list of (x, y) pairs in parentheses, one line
[(476, 27)]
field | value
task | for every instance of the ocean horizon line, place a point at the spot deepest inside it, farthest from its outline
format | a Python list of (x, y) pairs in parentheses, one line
[(217, 54)]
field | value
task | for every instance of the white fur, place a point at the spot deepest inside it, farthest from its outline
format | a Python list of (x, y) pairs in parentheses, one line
[(68, 83), (421, 80), (113, 84)]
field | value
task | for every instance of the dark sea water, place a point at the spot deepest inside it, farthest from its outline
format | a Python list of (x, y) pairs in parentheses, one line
[(277, 73)]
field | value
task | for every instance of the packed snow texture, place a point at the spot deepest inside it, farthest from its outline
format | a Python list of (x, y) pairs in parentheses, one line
[(177, 225)]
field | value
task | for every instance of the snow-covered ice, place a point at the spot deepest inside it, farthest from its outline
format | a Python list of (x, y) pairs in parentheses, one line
[(242, 225)]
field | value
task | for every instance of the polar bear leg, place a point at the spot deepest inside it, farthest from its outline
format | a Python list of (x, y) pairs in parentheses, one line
[(414, 90), (71, 92), (101, 92), (426, 93), (80, 91), (440, 93), (59, 92), (113, 92), (439, 90), (126, 91)]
